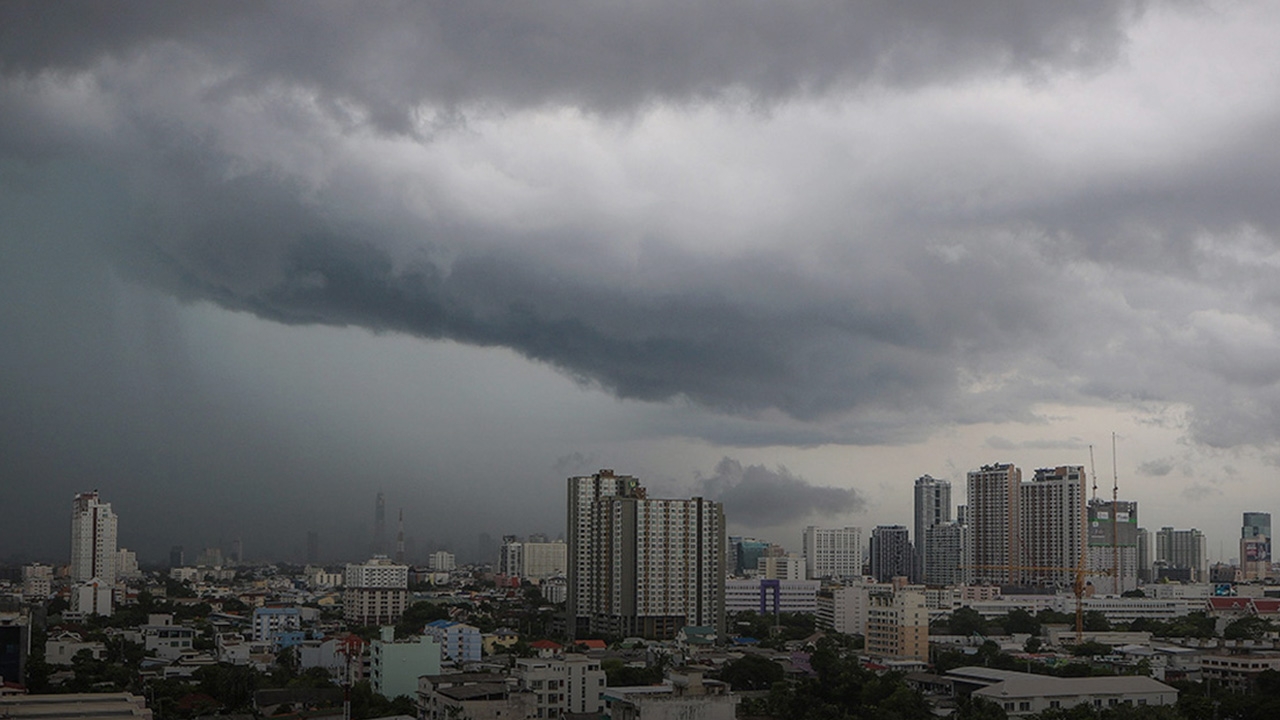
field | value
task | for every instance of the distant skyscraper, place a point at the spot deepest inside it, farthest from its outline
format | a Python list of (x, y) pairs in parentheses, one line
[(891, 553), (93, 540), (932, 507), (833, 552), (641, 566), (993, 519), (1183, 549), (1144, 556), (177, 558), (380, 525), (1120, 522), (1052, 525), (1255, 545)]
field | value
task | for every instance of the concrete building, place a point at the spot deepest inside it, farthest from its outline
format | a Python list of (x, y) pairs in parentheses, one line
[(61, 648), (1113, 545), (269, 622), (843, 608), (74, 706), (459, 642), (897, 624), (376, 592), (833, 552), (544, 559), (1052, 522), (1183, 549), (93, 540), (442, 561), (932, 507), (1255, 546), (165, 639), (1238, 673), (767, 597), (511, 557), (744, 555), (781, 567), (684, 695), (474, 696), (993, 510), (1144, 556), (946, 555), (93, 597), (891, 553), (37, 581), (396, 665), (572, 684), (640, 566)]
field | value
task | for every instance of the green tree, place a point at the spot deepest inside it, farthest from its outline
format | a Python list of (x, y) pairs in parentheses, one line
[(752, 672), (967, 621)]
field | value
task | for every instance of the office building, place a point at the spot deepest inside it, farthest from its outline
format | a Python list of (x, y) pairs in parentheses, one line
[(891, 553), (769, 597), (93, 540), (1255, 546), (1052, 519), (946, 556), (641, 566), (833, 552), (932, 507), (780, 567), (1113, 545), (993, 512), (1183, 550), (543, 560), (376, 592)]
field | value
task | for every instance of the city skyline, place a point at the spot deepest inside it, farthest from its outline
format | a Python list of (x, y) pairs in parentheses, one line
[(789, 261)]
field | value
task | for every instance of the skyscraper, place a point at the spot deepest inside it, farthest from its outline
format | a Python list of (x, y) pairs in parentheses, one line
[(1052, 525), (93, 540), (993, 519), (1183, 550), (1116, 519), (947, 559), (641, 566), (1255, 545), (833, 552), (932, 507), (891, 553)]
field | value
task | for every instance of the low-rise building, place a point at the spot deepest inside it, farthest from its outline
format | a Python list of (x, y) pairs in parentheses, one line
[(1022, 694), (769, 597), (396, 665), (683, 695), (60, 649), (270, 622), (1237, 672), (573, 684), (459, 642), (475, 696)]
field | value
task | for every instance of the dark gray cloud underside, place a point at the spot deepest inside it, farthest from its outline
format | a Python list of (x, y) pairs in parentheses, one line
[(755, 496), (390, 56)]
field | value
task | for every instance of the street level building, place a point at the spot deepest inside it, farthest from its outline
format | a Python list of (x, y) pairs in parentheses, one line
[(375, 592)]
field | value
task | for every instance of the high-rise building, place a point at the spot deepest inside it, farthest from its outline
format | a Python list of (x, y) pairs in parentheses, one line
[(1113, 540), (544, 559), (376, 592), (441, 561), (93, 540), (932, 507), (1184, 550), (641, 566), (1052, 525), (898, 624), (177, 558), (511, 557), (946, 554), (833, 552), (1144, 556), (994, 507), (891, 553), (380, 525), (1255, 545)]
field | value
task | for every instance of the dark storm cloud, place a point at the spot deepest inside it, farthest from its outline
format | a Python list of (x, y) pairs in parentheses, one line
[(388, 57), (755, 496), (1156, 468)]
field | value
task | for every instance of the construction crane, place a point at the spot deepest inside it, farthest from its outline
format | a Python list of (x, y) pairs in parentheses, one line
[(1077, 586)]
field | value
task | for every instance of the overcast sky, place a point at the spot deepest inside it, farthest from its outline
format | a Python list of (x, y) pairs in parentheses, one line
[(259, 261)]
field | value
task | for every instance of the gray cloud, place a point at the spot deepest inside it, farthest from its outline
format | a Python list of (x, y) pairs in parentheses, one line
[(387, 58), (1156, 468), (755, 496)]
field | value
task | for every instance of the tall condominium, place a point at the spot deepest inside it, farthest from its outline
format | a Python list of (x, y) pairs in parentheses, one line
[(932, 507), (946, 556), (1183, 550), (1113, 538), (93, 539), (1255, 545), (640, 566), (1052, 518), (1144, 556), (833, 552), (891, 553), (993, 520)]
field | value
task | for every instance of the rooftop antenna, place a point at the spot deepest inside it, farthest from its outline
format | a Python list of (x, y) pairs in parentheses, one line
[(1093, 471)]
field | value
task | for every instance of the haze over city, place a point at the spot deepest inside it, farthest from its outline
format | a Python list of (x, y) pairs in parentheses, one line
[(260, 262)]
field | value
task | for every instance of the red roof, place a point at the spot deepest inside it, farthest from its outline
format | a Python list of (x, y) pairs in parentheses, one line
[(593, 644), (1266, 606), (1228, 603), (545, 645)]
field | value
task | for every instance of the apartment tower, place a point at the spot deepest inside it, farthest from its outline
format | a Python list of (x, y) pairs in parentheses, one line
[(1053, 520), (833, 552), (93, 540), (993, 520), (932, 507)]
